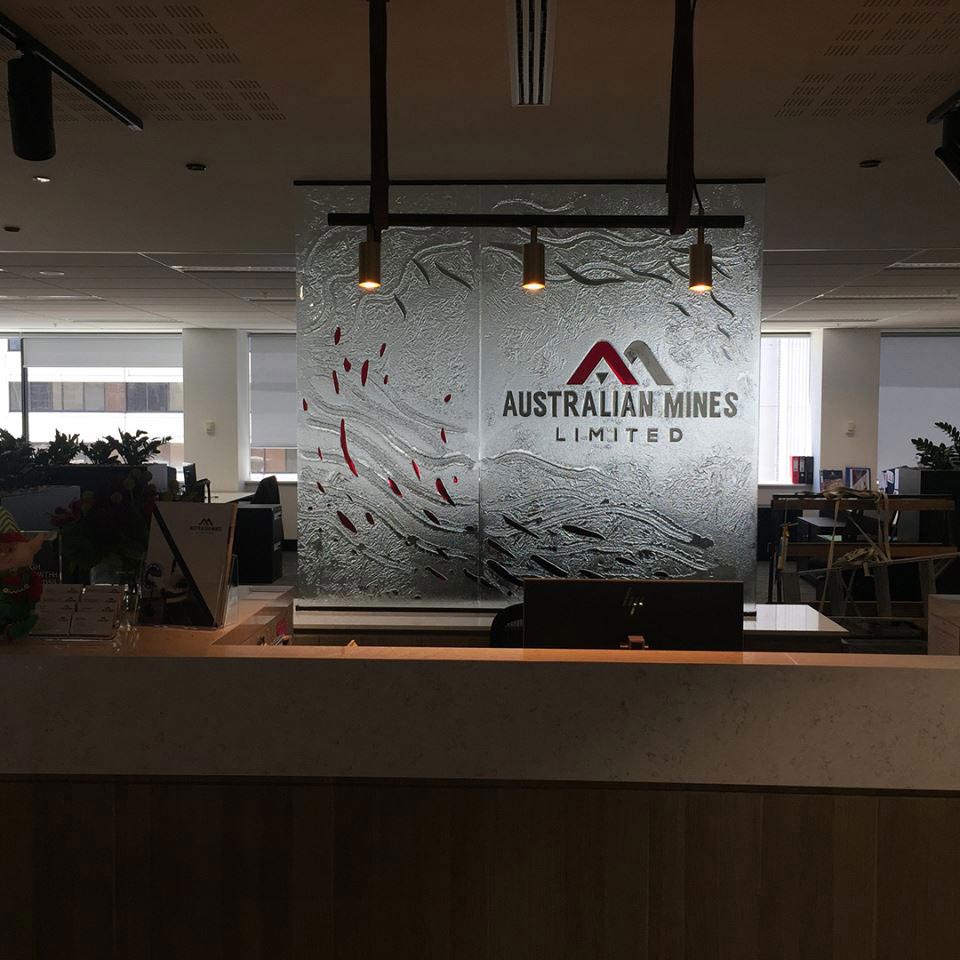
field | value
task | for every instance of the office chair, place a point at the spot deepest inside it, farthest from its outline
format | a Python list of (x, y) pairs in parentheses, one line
[(506, 630), (267, 492)]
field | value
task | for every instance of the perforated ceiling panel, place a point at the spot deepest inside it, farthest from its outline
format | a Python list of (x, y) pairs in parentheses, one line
[(885, 61), (167, 61)]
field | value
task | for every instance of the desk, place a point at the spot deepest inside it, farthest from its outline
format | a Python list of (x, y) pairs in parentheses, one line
[(823, 523), (228, 496), (471, 628), (378, 797)]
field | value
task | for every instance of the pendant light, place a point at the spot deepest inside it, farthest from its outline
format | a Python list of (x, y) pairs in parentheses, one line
[(701, 265), (701, 256), (534, 274), (368, 275)]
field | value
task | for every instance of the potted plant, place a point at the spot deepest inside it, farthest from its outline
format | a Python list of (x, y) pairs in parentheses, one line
[(134, 449), (939, 456)]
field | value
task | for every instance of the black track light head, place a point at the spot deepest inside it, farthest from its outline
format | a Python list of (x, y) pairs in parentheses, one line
[(30, 97)]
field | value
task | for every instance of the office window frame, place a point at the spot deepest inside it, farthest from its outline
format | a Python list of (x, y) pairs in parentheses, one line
[(790, 418)]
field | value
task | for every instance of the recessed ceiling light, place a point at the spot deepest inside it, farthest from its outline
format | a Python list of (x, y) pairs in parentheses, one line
[(43, 179), (51, 273)]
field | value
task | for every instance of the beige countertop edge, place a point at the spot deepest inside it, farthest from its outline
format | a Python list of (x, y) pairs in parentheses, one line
[(58, 649)]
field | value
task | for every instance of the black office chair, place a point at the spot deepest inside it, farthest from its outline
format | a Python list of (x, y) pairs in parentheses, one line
[(258, 540), (267, 492), (195, 488), (506, 630)]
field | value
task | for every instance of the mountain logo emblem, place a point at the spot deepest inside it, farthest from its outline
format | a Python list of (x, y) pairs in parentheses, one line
[(605, 352), (205, 522)]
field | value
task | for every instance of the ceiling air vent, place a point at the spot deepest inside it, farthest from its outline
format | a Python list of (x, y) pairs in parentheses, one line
[(532, 28)]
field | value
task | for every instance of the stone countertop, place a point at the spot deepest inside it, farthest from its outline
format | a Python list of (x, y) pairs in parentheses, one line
[(765, 719)]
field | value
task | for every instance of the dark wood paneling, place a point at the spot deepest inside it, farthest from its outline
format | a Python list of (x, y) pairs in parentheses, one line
[(17, 871), (238, 870), (918, 878), (56, 871)]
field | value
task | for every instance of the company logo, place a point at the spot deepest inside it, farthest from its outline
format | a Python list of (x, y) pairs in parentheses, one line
[(621, 410), (205, 525), (605, 352)]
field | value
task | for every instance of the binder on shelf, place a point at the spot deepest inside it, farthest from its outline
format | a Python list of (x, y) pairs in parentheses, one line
[(801, 470)]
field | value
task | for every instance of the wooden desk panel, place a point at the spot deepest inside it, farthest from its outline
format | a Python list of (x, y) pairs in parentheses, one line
[(436, 870)]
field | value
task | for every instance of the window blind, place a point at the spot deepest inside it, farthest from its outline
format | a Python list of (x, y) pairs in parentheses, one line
[(273, 390), (135, 350)]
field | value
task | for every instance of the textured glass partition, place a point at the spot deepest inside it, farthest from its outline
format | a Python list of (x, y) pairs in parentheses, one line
[(459, 434)]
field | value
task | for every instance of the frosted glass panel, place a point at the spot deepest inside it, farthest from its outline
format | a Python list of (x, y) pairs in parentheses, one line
[(605, 427), (388, 478)]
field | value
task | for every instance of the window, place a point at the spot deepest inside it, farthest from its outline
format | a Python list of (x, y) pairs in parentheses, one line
[(99, 385), (785, 419), (273, 404)]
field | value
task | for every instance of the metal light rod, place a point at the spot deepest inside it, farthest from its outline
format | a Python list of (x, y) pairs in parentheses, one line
[(479, 220), (680, 172), (379, 146), (27, 43)]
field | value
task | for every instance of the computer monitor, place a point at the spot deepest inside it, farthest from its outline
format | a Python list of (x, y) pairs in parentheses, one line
[(189, 475), (603, 614)]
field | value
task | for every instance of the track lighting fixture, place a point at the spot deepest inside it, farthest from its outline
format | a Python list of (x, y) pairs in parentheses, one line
[(30, 98), (681, 182), (534, 274), (30, 93), (948, 114), (701, 265), (369, 273)]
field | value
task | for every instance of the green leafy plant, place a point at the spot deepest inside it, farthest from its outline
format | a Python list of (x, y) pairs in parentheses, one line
[(19, 466), (939, 456), (134, 449), (64, 448), (101, 451)]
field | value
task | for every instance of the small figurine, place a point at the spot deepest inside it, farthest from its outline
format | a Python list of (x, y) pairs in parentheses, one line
[(20, 585)]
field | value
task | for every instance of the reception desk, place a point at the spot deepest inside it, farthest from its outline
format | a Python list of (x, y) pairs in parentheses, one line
[(252, 800), (760, 719)]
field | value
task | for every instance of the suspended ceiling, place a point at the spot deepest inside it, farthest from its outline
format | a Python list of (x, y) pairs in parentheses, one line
[(798, 93)]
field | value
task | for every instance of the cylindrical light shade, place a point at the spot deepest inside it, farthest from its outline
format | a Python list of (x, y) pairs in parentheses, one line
[(30, 97), (369, 273), (701, 267), (534, 274)]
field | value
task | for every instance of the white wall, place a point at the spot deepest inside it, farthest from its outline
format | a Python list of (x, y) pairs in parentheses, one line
[(847, 365), (216, 381), (919, 383)]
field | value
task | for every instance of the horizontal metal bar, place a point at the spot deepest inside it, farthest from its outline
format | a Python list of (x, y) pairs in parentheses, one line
[(546, 181), (27, 43), (480, 220)]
